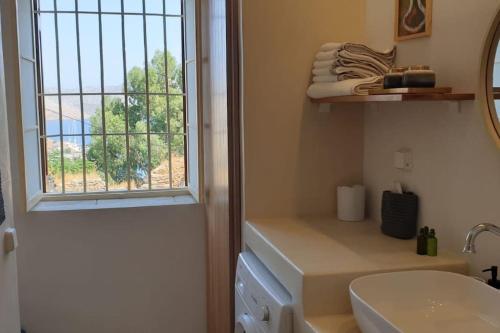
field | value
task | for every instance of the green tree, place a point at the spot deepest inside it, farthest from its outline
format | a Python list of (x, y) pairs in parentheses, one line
[(163, 110), (71, 165)]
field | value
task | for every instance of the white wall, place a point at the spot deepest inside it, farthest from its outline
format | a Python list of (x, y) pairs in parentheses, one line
[(124, 270), (456, 164), (9, 303), (294, 155)]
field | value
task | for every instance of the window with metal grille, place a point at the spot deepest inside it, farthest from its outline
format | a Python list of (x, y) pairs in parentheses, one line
[(112, 95)]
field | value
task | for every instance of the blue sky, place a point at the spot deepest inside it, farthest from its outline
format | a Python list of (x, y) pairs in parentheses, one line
[(112, 41)]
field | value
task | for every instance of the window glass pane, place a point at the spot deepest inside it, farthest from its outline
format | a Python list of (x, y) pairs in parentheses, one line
[(66, 5), (154, 6), (139, 162), (174, 48), (134, 35), (114, 112), (68, 53), (137, 114), (112, 52), (178, 167), (160, 178), (87, 5), (191, 104), (158, 114), (46, 4), (89, 53), (111, 6), (32, 163), (52, 125), (72, 117), (92, 114), (73, 164), (28, 94), (54, 170), (133, 6), (94, 150), (156, 55), (116, 150), (48, 41), (173, 7), (127, 157), (176, 109), (25, 29), (190, 31)]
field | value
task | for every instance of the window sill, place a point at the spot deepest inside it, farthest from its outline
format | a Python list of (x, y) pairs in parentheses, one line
[(78, 205)]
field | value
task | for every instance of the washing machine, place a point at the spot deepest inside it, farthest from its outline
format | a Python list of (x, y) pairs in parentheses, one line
[(262, 304)]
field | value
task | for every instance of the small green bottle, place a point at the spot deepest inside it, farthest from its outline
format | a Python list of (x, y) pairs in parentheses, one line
[(422, 243), (432, 244)]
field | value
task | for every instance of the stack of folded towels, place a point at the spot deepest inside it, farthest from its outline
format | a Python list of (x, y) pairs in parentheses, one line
[(349, 69)]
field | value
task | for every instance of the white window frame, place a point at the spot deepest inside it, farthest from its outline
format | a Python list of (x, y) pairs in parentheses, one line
[(32, 174)]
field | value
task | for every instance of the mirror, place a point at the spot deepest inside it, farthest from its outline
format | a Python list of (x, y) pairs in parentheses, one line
[(491, 82)]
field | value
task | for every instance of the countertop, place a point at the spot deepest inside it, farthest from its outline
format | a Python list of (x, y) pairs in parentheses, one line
[(316, 259), (328, 246)]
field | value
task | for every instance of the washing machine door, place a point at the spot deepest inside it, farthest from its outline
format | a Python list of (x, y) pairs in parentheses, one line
[(246, 324)]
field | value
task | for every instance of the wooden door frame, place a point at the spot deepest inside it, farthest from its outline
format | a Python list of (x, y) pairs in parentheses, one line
[(234, 129), (224, 244), (234, 143)]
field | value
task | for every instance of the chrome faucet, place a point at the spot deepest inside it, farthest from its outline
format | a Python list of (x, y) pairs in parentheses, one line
[(474, 232)]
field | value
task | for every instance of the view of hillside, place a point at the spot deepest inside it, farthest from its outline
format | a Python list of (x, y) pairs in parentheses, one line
[(111, 159), (84, 145)]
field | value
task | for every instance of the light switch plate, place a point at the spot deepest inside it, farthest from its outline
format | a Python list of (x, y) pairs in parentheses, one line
[(10, 240), (403, 160)]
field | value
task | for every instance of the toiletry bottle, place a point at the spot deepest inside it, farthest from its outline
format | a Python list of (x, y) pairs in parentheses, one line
[(394, 78), (419, 76), (494, 282), (422, 243), (432, 243)]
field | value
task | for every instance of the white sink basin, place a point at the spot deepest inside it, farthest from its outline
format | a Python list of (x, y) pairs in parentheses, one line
[(424, 301)]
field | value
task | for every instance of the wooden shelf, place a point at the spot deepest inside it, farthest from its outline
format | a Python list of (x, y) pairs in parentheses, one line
[(396, 98)]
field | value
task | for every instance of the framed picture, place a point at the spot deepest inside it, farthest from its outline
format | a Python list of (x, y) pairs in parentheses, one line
[(413, 19)]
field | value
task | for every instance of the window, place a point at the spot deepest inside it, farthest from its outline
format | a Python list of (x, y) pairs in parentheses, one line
[(116, 94)]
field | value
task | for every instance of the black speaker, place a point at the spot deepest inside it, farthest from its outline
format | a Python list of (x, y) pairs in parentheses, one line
[(399, 214)]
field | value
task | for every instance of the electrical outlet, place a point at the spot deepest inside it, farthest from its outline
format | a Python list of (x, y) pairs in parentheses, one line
[(403, 160)]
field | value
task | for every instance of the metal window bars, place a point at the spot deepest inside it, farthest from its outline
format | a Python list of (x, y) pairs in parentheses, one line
[(102, 94)]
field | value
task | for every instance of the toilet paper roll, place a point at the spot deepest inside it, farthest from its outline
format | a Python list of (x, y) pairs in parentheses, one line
[(351, 203)]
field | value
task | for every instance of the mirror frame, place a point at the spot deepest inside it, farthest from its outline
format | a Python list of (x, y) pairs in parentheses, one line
[(488, 62)]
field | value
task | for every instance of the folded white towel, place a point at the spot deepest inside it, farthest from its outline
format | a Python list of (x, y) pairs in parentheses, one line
[(357, 72), (326, 55), (323, 63), (322, 71), (325, 78), (331, 46), (344, 88), (348, 59), (387, 57)]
